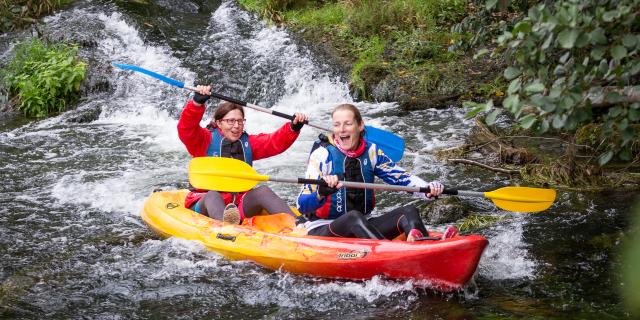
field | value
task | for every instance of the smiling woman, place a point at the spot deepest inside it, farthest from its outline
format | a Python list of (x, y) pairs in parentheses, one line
[(225, 137), (334, 210)]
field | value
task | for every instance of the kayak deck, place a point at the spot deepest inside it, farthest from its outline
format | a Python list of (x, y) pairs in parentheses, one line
[(274, 242)]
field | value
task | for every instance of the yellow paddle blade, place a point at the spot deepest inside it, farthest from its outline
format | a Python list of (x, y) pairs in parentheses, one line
[(522, 199), (223, 174)]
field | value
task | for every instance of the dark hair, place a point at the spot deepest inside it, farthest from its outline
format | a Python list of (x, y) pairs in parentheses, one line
[(226, 107), (223, 108), (350, 107)]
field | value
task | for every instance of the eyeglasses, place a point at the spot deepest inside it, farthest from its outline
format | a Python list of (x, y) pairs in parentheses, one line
[(232, 121)]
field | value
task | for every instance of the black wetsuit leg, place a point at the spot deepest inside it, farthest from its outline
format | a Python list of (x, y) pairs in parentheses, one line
[(399, 220), (349, 225)]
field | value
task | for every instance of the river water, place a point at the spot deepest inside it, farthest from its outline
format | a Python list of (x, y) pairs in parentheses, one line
[(73, 245)]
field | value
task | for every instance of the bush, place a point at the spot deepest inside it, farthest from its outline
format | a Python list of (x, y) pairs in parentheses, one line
[(567, 58), (44, 77)]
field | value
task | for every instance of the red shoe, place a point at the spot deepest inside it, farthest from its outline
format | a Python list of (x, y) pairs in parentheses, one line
[(449, 232), (413, 235)]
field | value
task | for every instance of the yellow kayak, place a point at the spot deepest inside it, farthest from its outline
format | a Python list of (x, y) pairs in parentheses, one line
[(275, 242)]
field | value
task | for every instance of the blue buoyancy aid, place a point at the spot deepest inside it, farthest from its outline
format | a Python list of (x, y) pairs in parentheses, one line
[(243, 153), (358, 169)]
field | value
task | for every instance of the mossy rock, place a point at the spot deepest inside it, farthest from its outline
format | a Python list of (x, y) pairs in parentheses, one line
[(372, 74), (445, 210), (589, 134)]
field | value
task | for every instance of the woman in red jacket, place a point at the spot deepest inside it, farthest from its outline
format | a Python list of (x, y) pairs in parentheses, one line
[(225, 137)]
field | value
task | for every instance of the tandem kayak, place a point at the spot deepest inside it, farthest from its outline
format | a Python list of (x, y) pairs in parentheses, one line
[(273, 241)]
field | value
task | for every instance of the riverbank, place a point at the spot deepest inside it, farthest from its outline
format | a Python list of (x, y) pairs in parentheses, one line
[(402, 51), (420, 54)]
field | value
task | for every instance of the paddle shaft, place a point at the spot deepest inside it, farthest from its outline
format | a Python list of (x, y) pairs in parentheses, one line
[(259, 108), (392, 144), (375, 186)]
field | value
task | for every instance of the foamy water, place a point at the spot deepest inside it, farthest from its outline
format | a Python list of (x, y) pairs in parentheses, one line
[(92, 178)]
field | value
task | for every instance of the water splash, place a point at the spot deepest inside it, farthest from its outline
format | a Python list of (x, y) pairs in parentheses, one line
[(506, 256)]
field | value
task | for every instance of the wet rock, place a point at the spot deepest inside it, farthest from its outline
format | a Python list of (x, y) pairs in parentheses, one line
[(84, 115), (444, 210), (75, 34), (96, 79)]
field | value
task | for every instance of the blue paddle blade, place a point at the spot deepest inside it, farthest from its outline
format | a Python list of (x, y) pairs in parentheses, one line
[(168, 80), (391, 144)]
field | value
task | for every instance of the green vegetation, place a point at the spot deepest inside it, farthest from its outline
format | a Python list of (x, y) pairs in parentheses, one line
[(16, 14), (630, 256), (572, 63), (476, 222), (45, 78), (397, 38)]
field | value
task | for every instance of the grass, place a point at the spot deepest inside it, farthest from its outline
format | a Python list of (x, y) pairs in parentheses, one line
[(476, 222)]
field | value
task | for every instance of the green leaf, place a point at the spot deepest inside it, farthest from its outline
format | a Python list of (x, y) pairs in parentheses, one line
[(491, 118), (605, 157), (618, 52), (629, 41), (547, 42), (614, 112), (534, 87), (514, 86), (598, 36), (488, 106), (512, 103), (567, 38), (623, 125), (535, 12), (527, 121), (511, 72), (597, 53), (603, 67), (610, 15), (522, 26), (555, 92), (559, 120), (582, 41), (633, 114), (548, 107)]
